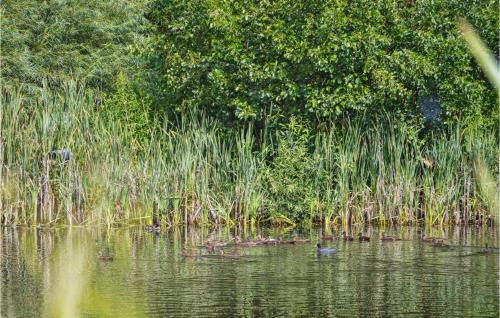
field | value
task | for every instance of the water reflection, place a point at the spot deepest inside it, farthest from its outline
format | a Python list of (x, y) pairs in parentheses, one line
[(58, 273)]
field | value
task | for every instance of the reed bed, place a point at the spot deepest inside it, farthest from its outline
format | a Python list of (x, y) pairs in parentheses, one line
[(192, 172)]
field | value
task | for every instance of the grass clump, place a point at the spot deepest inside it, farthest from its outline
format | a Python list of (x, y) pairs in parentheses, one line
[(192, 172)]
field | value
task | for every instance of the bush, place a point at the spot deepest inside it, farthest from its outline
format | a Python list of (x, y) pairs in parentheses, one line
[(318, 60), (290, 176)]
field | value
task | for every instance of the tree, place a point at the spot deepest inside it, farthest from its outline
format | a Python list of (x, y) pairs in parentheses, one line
[(244, 60), (55, 40)]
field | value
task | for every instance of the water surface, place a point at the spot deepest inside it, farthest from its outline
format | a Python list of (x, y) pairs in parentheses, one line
[(47, 272)]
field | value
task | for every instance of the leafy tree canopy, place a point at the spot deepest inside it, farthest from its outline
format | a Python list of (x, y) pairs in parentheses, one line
[(243, 60), (54, 40)]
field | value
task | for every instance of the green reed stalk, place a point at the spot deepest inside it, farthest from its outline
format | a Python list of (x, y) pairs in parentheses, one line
[(193, 172)]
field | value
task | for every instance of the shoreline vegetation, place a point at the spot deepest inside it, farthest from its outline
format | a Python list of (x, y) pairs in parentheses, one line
[(169, 113), (193, 172)]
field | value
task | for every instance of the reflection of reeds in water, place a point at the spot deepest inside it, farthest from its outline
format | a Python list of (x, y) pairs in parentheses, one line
[(69, 277), (154, 279), (68, 265)]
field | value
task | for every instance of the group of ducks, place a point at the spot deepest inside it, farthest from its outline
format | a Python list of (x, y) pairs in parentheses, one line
[(214, 246), (435, 241), (217, 246)]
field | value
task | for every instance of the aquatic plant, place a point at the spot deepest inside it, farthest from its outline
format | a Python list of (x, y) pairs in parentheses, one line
[(191, 172)]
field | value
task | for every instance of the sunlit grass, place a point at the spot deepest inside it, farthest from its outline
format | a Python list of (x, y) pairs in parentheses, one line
[(193, 172)]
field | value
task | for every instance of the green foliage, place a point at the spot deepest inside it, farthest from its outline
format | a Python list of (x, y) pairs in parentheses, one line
[(319, 59), (356, 171), (58, 40), (297, 74), (124, 105), (289, 178)]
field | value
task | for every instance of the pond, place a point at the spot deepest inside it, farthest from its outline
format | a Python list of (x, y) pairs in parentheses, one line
[(58, 273)]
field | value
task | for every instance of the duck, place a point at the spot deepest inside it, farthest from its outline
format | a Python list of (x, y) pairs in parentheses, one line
[(389, 238), (429, 239), (347, 237), (297, 240), (437, 242), (239, 242), (234, 254), (363, 238), (212, 244), (269, 241), (325, 250), (330, 238), (104, 255), (153, 229)]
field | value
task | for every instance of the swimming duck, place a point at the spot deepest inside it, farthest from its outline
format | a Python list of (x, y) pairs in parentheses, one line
[(437, 242), (347, 237), (363, 238), (325, 250), (212, 244), (297, 240), (239, 242), (330, 238), (428, 239), (153, 229), (389, 238), (269, 241), (234, 254)]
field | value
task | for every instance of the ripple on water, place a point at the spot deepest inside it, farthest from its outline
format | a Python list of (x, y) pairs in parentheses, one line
[(148, 276)]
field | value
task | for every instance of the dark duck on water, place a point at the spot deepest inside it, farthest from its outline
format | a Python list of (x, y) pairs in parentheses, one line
[(347, 237), (325, 250), (363, 238)]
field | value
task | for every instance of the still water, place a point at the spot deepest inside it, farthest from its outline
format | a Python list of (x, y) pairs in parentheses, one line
[(58, 273)]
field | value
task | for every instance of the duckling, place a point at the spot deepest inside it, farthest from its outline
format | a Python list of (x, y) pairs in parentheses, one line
[(297, 240), (234, 254), (270, 241), (363, 238), (428, 239), (330, 238), (389, 238), (347, 237), (437, 242), (216, 243), (104, 255), (238, 242), (325, 250), (153, 229)]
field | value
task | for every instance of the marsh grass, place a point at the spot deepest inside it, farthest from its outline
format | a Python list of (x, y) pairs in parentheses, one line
[(489, 189), (193, 172)]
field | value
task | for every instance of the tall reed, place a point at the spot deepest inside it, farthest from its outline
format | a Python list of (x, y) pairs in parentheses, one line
[(193, 172)]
